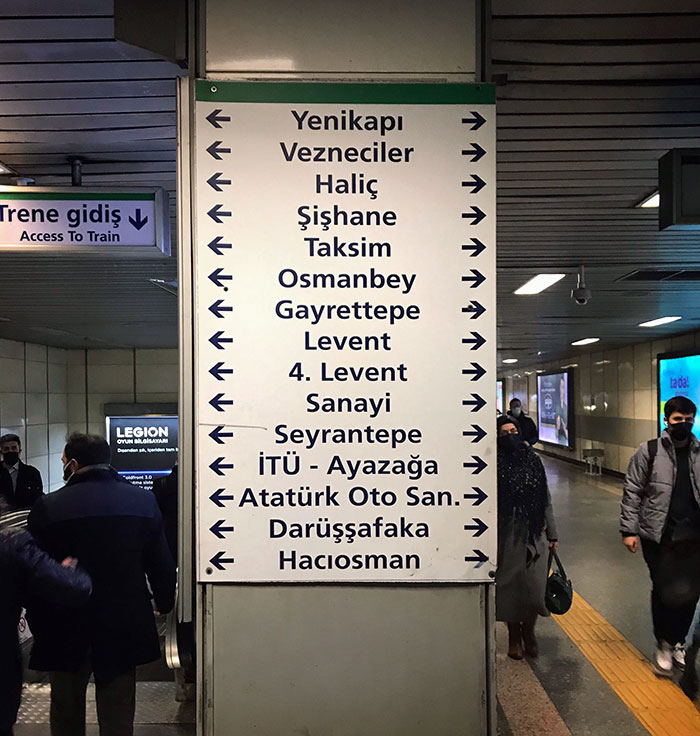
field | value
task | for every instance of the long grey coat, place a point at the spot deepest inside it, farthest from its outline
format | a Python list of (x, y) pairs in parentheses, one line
[(647, 491), (521, 576)]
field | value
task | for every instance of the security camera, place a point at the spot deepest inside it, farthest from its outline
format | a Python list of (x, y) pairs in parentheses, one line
[(581, 294)]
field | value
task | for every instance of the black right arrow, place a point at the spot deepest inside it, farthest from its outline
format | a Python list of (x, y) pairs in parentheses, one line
[(478, 495), (218, 498), (478, 465), (475, 309), (477, 184), (477, 402), (216, 245), (218, 371), (477, 372), (476, 153), (479, 557), (218, 529), (220, 562), (475, 121), (477, 247), (218, 433), (215, 151), (477, 215), (477, 279), (214, 117), (479, 526), (478, 434), (476, 341)]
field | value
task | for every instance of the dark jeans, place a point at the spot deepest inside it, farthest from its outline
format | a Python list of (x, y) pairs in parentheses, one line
[(116, 703), (675, 575), (10, 693)]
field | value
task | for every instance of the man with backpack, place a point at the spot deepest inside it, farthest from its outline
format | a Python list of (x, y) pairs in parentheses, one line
[(661, 505)]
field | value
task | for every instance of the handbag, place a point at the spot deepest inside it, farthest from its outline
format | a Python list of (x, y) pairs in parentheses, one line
[(559, 592)]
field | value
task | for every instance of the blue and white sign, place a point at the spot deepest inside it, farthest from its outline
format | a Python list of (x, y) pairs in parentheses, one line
[(345, 332)]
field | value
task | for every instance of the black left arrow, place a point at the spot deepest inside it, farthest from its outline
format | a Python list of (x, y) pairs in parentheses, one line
[(217, 276), (478, 525), (219, 497), (476, 341), (476, 372), (216, 183), (479, 557), (217, 212), (219, 560), (475, 280), (218, 466), (215, 118), (475, 309), (215, 150), (218, 402), (478, 434), (475, 121), (138, 222), (476, 184), (217, 246), (218, 340), (217, 309), (477, 403), (476, 215), (218, 370), (217, 434), (218, 530), (478, 465)]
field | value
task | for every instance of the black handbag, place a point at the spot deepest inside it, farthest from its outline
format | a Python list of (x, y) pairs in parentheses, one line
[(559, 592)]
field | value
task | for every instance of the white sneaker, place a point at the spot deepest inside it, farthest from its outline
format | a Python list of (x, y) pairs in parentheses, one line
[(679, 656), (663, 659)]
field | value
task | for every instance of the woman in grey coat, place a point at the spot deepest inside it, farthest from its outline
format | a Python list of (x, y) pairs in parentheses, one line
[(526, 531)]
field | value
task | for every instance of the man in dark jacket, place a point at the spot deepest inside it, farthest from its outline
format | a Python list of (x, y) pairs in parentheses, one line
[(661, 504), (527, 425), (21, 484), (27, 570), (116, 531)]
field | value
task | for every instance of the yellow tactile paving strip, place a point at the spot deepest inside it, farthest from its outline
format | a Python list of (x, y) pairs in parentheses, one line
[(659, 704)]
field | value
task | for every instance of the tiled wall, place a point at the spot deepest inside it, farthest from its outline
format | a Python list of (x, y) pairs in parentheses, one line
[(48, 392), (614, 394)]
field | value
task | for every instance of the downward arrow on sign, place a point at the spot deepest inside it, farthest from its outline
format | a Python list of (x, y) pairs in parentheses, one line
[(138, 222)]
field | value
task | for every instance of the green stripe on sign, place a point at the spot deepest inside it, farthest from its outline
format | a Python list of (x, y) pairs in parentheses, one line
[(78, 196), (347, 93)]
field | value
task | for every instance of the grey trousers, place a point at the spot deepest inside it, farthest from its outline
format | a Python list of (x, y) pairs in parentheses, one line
[(116, 703)]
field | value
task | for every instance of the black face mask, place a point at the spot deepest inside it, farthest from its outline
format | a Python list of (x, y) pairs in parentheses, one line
[(680, 431), (509, 442), (67, 471), (10, 458)]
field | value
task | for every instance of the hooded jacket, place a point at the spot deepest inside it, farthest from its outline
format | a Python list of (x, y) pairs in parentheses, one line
[(646, 498)]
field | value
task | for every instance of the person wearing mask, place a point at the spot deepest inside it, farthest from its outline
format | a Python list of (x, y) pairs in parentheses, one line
[(116, 531), (661, 506), (526, 532), (527, 425), (27, 570), (21, 485)]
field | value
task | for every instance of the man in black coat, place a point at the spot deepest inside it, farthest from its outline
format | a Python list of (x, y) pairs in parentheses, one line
[(116, 531), (527, 425), (27, 570), (21, 484)]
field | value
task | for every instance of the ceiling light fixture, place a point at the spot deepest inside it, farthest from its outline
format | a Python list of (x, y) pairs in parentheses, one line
[(660, 321), (586, 341), (651, 201), (510, 360), (5, 169), (539, 283)]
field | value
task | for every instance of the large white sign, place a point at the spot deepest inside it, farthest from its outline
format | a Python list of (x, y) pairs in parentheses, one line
[(345, 294), (36, 218)]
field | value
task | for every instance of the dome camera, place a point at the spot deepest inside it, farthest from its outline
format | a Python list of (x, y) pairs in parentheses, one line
[(581, 294)]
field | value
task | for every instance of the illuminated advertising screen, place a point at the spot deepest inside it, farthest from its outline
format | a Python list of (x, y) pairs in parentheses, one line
[(143, 448), (679, 375), (499, 397), (554, 408)]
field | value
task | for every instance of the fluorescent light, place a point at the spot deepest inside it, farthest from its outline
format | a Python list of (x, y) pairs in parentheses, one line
[(540, 371), (602, 362), (651, 201), (586, 341), (570, 365), (660, 321), (539, 283), (510, 360)]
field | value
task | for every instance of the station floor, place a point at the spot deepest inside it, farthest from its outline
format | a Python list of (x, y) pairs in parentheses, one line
[(593, 676)]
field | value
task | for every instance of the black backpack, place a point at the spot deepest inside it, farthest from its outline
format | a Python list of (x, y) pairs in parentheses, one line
[(652, 449)]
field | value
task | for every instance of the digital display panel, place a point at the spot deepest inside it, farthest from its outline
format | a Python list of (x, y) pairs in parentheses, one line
[(499, 397), (679, 375), (143, 448), (554, 409)]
